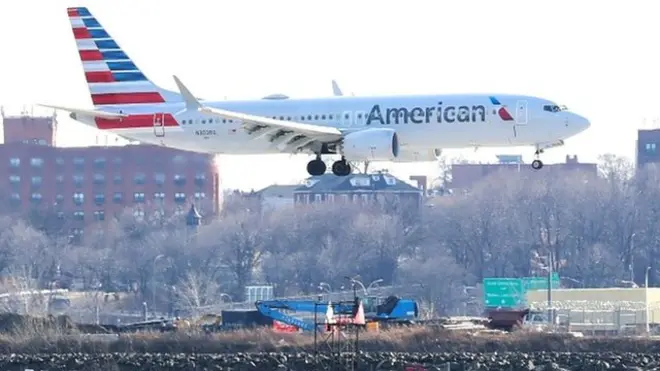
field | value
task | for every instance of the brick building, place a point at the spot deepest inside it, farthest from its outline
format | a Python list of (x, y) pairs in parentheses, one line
[(381, 188), (647, 150), (88, 184), (465, 176)]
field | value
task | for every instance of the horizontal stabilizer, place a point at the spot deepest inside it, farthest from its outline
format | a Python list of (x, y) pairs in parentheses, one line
[(89, 112)]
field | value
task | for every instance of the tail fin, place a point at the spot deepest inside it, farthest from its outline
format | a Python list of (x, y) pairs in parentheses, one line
[(112, 77)]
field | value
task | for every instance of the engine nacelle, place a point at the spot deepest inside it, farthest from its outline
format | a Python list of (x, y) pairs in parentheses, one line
[(406, 155), (376, 144)]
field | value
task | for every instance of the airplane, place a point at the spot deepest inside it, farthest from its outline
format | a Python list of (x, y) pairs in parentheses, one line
[(397, 128)]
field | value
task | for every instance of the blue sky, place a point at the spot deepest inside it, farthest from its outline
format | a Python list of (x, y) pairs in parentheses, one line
[(599, 60)]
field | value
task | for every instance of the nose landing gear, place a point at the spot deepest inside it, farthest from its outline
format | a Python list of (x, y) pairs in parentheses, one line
[(537, 164)]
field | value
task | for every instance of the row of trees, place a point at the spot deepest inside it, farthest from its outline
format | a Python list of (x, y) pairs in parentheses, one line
[(596, 228)]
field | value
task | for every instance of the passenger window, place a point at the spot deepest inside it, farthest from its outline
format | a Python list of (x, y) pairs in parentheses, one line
[(330, 117), (316, 117), (309, 117), (323, 117)]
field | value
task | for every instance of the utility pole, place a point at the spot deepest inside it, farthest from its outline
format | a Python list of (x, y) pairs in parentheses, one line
[(646, 300), (550, 311)]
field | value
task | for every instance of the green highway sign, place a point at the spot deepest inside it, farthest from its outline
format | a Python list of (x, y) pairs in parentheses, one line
[(511, 292), (541, 283), (503, 292)]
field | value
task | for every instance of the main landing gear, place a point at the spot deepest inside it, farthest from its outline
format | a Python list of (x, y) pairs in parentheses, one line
[(317, 167), (537, 164)]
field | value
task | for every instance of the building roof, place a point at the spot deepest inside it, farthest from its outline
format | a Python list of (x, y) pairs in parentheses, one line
[(378, 182), (277, 190)]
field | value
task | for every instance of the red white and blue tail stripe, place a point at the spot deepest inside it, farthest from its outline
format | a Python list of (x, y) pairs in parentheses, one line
[(112, 77)]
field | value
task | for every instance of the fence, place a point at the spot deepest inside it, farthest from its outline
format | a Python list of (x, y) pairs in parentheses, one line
[(604, 316)]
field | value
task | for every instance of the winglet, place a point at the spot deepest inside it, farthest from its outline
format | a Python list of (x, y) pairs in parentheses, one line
[(335, 89), (191, 102)]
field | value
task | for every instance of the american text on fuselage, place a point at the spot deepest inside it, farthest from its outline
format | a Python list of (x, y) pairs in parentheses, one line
[(426, 115)]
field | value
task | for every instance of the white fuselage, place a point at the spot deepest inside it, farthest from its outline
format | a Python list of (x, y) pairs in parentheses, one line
[(425, 122)]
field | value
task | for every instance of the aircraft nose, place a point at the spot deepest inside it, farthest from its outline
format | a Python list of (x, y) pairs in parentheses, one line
[(580, 123)]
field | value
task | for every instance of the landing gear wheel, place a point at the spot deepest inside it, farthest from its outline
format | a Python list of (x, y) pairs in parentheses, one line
[(316, 167), (537, 164), (341, 168)]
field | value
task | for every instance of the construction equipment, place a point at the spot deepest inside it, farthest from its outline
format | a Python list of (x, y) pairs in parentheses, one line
[(390, 309)]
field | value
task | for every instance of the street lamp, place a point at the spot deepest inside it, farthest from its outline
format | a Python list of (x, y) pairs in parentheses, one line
[(153, 281), (375, 282), (632, 257), (325, 285), (355, 281), (646, 299)]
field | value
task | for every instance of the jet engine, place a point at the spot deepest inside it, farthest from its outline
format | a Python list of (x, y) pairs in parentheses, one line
[(376, 144), (407, 155)]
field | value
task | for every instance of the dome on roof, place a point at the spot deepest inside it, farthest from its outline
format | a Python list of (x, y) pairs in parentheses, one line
[(276, 96)]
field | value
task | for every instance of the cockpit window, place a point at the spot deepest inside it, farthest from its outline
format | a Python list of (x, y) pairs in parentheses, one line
[(554, 108)]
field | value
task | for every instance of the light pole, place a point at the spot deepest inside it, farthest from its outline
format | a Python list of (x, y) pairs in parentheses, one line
[(374, 282), (646, 299), (325, 285), (632, 257), (153, 281), (355, 281)]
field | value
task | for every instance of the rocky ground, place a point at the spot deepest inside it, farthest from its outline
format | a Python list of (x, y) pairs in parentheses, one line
[(306, 362), (57, 344)]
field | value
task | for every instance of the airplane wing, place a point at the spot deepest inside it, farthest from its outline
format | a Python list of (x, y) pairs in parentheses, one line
[(88, 112), (287, 136)]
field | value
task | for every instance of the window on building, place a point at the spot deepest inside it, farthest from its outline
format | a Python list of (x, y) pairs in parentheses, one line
[(179, 179), (79, 163), (99, 178), (330, 197), (118, 197), (36, 181), (78, 180), (99, 199), (59, 199), (318, 198), (650, 147), (159, 178), (14, 179), (159, 196), (99, 163), (15, 198), (140, 178), (99, 215), (365, 197), (78, 198), (14, 162), (138, 197), (179, 197), (60, 215), (179, 210), (36, 197), (59, 162), (138, 213), (79, 215), (199, 179), (179, 159), (200, 195), (37, 162), (59, 179), (117, 179), (117, 161)]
